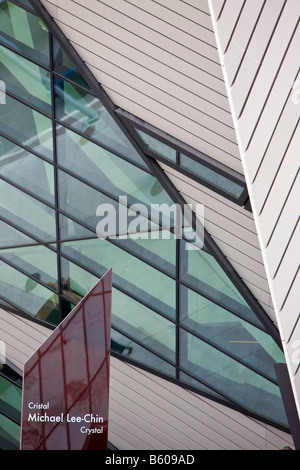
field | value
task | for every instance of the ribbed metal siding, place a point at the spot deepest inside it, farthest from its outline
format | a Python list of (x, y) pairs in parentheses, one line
[(148, 412), (260, 50)]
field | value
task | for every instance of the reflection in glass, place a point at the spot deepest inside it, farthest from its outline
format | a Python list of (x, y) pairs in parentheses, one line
[(27, 127), (122, 345), (157, 146), (27, 170), (231, 378), (128, 315), (9, 236), (132, 275), (28, 295), (10, 399), (228, 332), (86, 114), (105, 170), (25, 80), (36, 261), (24, 32), (143, 325), (27, 213), (211, 176), (201, 271), (64, 65), (9, 434), (70, 371)]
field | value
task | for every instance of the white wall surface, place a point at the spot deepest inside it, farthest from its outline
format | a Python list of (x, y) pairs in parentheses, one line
[(259, 49)]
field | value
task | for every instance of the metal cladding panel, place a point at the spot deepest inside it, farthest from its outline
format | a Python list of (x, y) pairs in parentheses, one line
[(261, 70), (66, 381)]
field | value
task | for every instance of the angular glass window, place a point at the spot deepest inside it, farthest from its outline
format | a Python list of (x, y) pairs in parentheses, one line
[(143, 325), (86, 114), (111, 174), (25, 3), (157, 146), (37, 301), (231, 378), (29, 128), (131, 275), (65, 67), (9, 434), (38, 262), (121, 344), (25, 80), (211, 176), (10, 399), (229, 333), (26, 170), (26, 213), (9, 237), (24, 32)]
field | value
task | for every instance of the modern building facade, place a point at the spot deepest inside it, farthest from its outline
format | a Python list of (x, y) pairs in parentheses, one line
[(126, 106)]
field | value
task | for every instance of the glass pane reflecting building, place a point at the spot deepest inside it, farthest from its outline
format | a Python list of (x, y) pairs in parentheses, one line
[(176, 311)]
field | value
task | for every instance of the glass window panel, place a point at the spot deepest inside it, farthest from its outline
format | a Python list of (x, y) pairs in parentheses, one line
[(160, 252), (24, 32), (211, 176), (195, 383), (39, 302), (157, 146), (86, 114), (27, 213), (231, 378), (27, 127), (230, 333), (9, 434), (107, 171), (75, 282), (201, 271), (130, 274), (27, 171), (81, 201), (37, 261), (25, 80), (122, 345), (70, 229), (64, 65)]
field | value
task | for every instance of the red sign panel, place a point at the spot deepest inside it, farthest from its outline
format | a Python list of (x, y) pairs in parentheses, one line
[(66, 382)]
